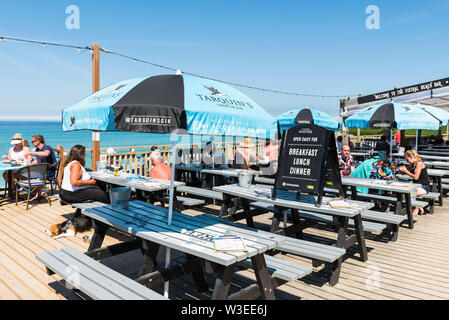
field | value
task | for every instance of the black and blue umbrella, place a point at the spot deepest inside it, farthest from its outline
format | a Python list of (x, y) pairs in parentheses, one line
[(393, 115), (165, 103), (300, 115), (161, 104)]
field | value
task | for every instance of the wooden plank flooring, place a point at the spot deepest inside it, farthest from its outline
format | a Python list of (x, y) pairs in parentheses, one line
[(414, 267)]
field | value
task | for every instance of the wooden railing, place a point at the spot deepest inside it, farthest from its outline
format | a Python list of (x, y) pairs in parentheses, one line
[(138, 162)]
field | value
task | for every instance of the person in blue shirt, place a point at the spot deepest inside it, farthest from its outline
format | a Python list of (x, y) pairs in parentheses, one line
[(43, 153)]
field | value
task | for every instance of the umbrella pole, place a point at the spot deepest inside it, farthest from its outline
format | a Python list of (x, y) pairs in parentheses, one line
[(391, 145), (170, 210), (416, 141)]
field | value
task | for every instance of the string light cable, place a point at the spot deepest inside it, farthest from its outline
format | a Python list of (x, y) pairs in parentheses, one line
[(82, 49)]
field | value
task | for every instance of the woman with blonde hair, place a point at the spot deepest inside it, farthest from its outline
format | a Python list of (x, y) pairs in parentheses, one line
[(418, 172)]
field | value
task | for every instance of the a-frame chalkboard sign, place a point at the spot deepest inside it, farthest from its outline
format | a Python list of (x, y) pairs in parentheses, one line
[(308, 161)]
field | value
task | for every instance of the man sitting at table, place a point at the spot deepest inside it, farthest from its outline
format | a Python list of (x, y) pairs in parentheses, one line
[(43, 153), (345, 161), (160, 170)]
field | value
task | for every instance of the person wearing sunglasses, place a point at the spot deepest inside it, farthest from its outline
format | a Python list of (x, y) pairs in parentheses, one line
[(43, 153)]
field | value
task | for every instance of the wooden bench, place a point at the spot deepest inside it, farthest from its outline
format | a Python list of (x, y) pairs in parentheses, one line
[(182, 203), (80, 206), (94, 279), (281, 271), (204, 193), (430, 197), (319, 253)]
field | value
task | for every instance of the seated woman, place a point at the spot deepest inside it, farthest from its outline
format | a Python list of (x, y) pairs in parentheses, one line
[(245, 157), (17, 153), (77, 186), (418, 172)]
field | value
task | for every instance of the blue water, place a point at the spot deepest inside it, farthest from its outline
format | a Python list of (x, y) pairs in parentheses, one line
[(54, 136)]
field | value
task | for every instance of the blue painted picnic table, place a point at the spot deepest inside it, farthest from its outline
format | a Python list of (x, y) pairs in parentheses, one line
[(192, 235), (10, 168)]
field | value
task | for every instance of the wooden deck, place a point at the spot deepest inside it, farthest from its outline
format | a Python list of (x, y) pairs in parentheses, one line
[(414, 267)]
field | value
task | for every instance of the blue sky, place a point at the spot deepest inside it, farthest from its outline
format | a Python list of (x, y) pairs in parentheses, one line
[(319, 47)]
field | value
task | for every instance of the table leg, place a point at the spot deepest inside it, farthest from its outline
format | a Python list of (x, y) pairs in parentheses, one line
[(263, 277), (246, 210), (353, 192), (198, 276), (408, 203), (98, 237), (10, 185), (207, 182), (398, 207), (440, 190), (226, 209), (277, 217), (360, 237), (222, 283), (149, 250)]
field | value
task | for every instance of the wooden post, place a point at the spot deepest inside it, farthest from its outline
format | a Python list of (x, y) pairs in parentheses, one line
[(95, 154), (60, 150), (403, 142), (358, 135)]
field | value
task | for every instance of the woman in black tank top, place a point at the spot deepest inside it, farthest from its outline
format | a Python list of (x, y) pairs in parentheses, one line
[(418, 172)]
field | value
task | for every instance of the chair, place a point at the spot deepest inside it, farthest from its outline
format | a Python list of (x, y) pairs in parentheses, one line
[(53, 178), (32, 178)]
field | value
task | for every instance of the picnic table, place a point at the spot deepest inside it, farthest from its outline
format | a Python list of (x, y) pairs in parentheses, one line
[(436, 175), (210, 172), (143, 183), (399, 189), (435, 153), (9, 168), (192, 235), (284, 202), (437, 164)]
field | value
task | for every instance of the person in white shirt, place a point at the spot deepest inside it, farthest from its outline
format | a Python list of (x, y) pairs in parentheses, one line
[(77, 185)]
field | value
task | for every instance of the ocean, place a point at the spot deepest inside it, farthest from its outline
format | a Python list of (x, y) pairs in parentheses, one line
[(54, 136)]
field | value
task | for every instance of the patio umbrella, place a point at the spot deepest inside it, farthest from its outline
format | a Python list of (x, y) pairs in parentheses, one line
[(438, 113), (393, 115), (317, 117), (164, 103), (161, 104)]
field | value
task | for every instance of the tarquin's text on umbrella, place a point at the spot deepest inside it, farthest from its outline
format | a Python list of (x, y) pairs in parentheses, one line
[(227, 103)]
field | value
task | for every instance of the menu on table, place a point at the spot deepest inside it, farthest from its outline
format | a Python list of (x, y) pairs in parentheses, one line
[(229, 244)]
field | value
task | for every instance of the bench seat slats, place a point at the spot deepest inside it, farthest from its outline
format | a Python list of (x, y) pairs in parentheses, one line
[(190, 201), (93, 278), (311, 253), (201, 192), (281, 269)]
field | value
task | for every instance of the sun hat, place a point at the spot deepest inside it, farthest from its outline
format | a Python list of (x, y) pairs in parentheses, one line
[(17, 138), (246, 143)]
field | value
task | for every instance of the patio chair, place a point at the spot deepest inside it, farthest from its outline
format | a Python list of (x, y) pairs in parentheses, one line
[(53, 178), (31, 179)]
